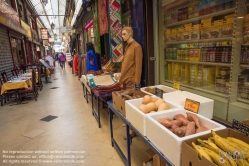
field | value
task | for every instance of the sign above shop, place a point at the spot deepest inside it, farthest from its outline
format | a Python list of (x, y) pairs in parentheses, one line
[(27, 29), (88, 25), (51, 40), (65, 29), (44, 33)]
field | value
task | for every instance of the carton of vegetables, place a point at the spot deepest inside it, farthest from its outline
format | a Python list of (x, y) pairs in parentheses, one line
[(152, 89), (179, 98), (168, 136), (119, 98), (138, 109)]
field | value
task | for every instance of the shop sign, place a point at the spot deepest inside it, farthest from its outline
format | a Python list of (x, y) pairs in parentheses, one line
[(44, 33), (65, 29), (27, 29), (45, 42), (51, 40), (192, 105), (8, 12), (12, 25), (89, 25), (2, 20)]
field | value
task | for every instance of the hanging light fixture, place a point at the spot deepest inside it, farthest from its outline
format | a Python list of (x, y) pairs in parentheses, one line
[(55, 35), (45, 2), (52, 25)]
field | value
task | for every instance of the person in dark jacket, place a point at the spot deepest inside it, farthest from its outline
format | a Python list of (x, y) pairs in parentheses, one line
[(91, 61)]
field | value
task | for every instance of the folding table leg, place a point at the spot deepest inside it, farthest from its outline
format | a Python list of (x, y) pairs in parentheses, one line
[(111, 128), (128, 143)]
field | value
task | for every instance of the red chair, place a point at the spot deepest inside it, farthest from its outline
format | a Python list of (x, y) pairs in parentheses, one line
[(31, 90)]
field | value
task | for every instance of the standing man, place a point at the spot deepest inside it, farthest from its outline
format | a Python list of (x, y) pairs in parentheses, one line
[(131, 69)]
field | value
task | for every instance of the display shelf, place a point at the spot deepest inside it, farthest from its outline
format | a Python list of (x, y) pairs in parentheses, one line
[(221, 39), (201, 63), (174, 3), (201, 17), (244, 66), (202, 90), (243, 100)]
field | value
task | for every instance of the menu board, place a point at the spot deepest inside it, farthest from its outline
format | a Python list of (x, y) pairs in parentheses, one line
[(44, 63)]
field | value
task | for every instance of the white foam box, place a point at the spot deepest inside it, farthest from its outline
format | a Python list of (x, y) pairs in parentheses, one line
[(166, 89), (169, 143), (137, 117), (179, 98)]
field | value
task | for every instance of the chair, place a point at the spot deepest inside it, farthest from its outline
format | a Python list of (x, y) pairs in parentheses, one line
[(2, 97), (14, 73), (7, 95), (31, 90), (4, 76), (39, 84)]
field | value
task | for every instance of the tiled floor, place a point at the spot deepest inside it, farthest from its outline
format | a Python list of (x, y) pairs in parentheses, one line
[(75, 129)]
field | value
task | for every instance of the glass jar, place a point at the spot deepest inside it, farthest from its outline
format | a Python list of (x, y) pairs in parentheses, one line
[(224, 71)]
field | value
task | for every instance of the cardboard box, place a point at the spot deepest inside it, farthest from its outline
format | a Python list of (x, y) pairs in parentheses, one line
[(157, 161), (137, 117), (166, 89), (246, 122), (149, 162), (167, 142), (119, 103), (179, 98), (189, 155)]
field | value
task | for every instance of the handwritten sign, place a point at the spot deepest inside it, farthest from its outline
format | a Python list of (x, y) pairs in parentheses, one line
[(238, 126), (176, 85), (159, 92), (192, 105)]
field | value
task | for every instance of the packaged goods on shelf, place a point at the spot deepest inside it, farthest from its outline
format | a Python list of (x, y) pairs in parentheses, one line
[(189, 155), (157, 134), (193, 74), (137, 118), (179, 98), (208, 78)]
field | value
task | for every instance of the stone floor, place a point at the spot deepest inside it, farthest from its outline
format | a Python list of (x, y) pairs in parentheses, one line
[(74, 130)]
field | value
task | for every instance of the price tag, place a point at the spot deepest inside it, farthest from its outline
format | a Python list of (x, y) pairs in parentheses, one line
[(243, 128), (192, 105), (159, 92), (176, 85)]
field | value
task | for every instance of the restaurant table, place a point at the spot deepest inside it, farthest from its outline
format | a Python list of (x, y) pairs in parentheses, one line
[(127, 159), (17, 83), (85, 86), (103, 98)]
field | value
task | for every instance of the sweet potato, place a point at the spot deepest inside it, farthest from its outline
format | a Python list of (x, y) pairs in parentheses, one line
[(194, 118), (178, 116), (174, 127), (181, 117), (128, 97), (179, 132), (165, 122), (190, 129), (177, 122), (201, 129)]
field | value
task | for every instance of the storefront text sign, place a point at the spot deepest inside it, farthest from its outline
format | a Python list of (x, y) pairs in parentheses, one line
[(44, 33), (27, 29)]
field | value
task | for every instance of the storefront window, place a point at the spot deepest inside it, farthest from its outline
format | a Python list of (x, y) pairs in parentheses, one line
[(17, 51)]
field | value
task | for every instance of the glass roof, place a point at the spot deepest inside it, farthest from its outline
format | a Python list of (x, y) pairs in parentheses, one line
[(51, 13)]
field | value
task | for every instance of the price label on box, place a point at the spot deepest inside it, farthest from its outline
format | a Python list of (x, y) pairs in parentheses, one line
[(176, 85), (192, 105)]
